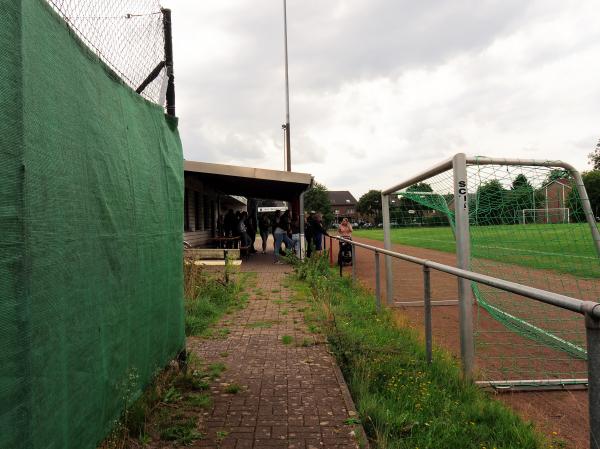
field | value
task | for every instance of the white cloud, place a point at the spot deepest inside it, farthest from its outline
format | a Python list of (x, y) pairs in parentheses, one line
[(381, 89)]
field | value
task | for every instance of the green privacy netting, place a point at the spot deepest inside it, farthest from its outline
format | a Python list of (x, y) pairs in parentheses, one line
[(91, 194)]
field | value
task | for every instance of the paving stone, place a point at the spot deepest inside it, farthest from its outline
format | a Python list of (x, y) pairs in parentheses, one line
[(292, 396)]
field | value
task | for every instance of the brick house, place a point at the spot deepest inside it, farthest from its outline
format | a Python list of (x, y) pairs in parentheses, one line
[(343, 204)]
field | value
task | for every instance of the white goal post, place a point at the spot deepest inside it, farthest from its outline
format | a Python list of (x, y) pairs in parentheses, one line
[(457, 166), (549, 215)]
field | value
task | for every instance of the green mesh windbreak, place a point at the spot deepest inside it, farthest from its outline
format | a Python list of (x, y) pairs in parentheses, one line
[(91, 179)]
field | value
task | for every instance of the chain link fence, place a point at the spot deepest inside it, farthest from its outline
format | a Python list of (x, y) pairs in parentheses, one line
[(128, 35)]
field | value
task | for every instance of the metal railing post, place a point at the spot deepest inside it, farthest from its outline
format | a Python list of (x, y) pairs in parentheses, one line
[(387, 243), (301, 222), (170, 99), (353, 263), (592, 329), (463, 255), (377, 282), (330, 251), (427, 312)]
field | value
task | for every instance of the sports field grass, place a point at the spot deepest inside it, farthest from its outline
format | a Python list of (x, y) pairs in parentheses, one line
[(564, 248)]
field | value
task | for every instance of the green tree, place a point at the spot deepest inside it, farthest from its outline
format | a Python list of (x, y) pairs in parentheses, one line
[(369, 205), (420, 187), (555, 174), (591, 181), (594, 157), (316, 199), (490, 205), (413, 208), (521, 196)]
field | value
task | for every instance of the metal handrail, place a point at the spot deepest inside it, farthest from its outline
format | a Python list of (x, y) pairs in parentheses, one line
[(590, 309), (555, 299)]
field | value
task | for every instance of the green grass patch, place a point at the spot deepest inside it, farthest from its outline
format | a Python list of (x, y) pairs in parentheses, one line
[(564, 248), (215, 370), (208, 297), (403, 402), (181, 430), (287, 339), (166, 409), (199, 400), (261, 324), (306, 342), (233, 388)]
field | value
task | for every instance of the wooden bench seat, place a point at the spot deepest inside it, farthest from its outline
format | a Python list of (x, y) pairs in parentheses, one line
[(211, 253)]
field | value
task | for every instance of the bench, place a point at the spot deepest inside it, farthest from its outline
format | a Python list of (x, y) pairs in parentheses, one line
[(211, 253)]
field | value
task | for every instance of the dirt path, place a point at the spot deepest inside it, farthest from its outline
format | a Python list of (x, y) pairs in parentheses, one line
[(558, 414), (292, 393)]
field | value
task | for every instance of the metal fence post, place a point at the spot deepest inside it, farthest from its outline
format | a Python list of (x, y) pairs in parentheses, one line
[(330, 251), (387, 243), (592, 328), (353, 263), (427, 312), (301, 222), (169, 61), (463, 255), (377, 282)]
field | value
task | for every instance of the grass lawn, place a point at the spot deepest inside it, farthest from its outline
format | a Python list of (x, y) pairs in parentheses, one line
[(404, 402), (565, 248)]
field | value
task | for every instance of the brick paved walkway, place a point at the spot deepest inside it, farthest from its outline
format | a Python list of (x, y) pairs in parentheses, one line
[(292, 395)]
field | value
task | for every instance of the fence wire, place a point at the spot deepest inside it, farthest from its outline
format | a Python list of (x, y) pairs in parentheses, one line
[(127, 35)]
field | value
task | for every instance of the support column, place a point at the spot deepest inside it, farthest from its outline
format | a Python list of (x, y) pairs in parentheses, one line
[(301, 216), (463, 255), (592, 328), (377, 282), (387, 243), (427, 314), (169, 62)]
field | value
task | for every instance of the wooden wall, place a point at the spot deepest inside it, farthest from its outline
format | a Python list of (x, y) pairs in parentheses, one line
[(201, 212)]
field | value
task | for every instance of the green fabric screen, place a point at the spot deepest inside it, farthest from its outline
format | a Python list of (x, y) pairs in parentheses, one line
[(91, 219)]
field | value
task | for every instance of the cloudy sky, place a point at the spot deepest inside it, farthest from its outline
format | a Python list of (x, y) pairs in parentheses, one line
[(381, 89)]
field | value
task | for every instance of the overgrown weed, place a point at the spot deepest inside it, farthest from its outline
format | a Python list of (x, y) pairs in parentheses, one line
[(403, 402), (208, 295)]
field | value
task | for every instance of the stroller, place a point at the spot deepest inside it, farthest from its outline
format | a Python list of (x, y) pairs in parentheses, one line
[(345, 254)]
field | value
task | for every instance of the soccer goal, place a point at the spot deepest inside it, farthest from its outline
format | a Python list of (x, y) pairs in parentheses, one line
[(551, 215), (484, 209)]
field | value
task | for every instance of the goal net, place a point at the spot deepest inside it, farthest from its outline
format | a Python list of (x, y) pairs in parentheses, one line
[(527, 225)]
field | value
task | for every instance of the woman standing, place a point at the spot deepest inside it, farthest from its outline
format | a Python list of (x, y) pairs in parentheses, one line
[(345, 229)]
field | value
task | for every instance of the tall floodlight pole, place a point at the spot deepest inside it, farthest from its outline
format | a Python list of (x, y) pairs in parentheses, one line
[(286, 127)]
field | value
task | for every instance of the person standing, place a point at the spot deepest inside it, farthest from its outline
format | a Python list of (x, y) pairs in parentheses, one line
[(251, 230), (309, 234), (319, 231), (264, 223), (280, 233), (345, 229), (229, 226), (295, 234), (242, 230)]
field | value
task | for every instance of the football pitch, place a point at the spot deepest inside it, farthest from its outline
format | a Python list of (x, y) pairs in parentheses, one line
[(564, 248)]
